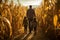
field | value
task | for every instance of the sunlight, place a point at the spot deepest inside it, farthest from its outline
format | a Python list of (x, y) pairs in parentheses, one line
[(31, 2), (35, 2)]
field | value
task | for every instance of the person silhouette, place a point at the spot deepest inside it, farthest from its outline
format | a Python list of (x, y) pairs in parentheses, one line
[(30, 15), (35, 25), (0, 1), (25, 23)]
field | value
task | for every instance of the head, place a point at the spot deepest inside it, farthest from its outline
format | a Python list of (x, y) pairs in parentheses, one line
[(0, 1), (24, 17), (0, 14), (34, 19), (30, 6)]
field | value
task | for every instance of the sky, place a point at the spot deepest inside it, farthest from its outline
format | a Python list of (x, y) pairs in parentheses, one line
[(30, 2), (34, 3)]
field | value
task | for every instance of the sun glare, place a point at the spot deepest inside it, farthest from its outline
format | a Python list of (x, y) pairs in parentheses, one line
[(32, 2)]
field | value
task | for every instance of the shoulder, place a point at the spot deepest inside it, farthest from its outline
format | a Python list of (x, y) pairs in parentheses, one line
[(28, 9), (32, 9)]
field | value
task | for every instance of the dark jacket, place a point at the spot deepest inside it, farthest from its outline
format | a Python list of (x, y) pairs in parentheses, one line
[(25, 21), (30, 14)]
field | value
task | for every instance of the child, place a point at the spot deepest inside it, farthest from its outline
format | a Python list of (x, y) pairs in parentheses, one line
[(25, 23), (34, 25)]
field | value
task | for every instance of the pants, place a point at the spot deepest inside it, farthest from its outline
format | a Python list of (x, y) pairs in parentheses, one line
[(25, 28)]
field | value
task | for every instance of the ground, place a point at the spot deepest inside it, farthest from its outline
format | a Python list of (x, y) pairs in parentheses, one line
[(39, 36)]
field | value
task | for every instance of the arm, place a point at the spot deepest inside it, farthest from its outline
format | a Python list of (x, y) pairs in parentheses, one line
[(34, 13)]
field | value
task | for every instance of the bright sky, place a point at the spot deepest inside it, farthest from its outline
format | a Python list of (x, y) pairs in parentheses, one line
[(29, 2)]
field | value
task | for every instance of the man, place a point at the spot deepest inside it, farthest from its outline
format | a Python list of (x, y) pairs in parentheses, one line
[(30, 16)]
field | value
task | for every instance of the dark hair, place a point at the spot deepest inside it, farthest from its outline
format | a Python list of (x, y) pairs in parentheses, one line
[(34, 19), (0, 14), (30, 6), (24, 17)]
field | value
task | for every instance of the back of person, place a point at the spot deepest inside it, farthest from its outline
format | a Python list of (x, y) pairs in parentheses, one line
[(35, 25), (25, 21), (31, 25), (30, 13)]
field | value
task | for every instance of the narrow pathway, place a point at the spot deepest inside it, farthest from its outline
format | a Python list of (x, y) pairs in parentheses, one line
[(39, 36)]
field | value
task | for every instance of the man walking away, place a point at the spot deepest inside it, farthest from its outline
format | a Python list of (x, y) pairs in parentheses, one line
[(30, 15)]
